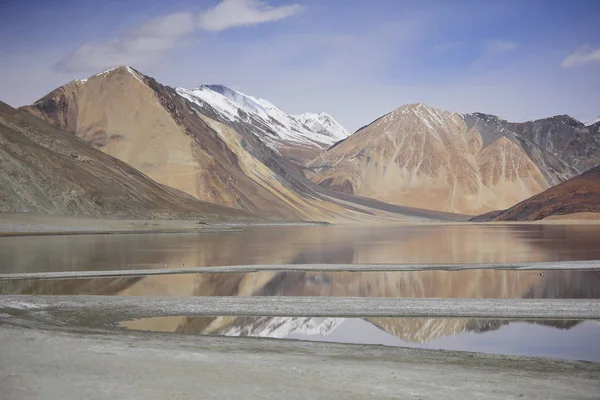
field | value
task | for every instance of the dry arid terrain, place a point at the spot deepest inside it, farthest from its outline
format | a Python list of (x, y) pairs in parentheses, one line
[(46, 170), (576, 199), (424, 157), (192, 148)]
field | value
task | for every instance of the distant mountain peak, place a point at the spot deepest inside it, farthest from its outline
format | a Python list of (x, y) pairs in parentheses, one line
[(120, 69), (563, 118), (592, 121), (306, 129)]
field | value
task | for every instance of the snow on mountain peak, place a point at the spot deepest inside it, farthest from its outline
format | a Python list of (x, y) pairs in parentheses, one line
[(324, 124), (312, 129), (125, 68), (592, 122)]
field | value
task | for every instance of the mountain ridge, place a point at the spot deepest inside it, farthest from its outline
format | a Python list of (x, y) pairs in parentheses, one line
[(47, 170), (193, 147), (423, 157), (296, 137), (420, 156), (577, 196)]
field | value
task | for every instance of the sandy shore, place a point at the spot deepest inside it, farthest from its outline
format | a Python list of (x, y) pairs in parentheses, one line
[(69, 347), (28, 224), (24, 224), (107, 311), (49, 364)]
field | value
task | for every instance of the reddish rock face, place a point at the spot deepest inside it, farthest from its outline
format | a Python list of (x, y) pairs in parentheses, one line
[(579, 195)]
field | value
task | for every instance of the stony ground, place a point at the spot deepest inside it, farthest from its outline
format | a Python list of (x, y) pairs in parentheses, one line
[(48, 364), (69, 348)]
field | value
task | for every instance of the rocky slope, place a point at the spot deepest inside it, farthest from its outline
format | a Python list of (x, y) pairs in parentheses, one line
[(423, 157), (560, 146), (593, 121), (46, 170), (196, 148), (579, 196)]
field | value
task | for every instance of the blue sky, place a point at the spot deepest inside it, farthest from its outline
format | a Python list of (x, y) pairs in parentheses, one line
[(353, 59)]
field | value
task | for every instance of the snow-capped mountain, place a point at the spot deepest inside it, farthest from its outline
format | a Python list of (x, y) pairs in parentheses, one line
[(323, 124), (592, 122), (278, 127)]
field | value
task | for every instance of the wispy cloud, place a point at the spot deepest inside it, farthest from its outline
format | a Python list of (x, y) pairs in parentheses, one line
[(231, 13), (137, 46), (148, 41), (499, 46), (583, 55)]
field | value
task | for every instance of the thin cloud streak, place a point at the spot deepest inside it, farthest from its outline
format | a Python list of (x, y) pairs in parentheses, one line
[(147, 42), (232, 13), (583, 55)]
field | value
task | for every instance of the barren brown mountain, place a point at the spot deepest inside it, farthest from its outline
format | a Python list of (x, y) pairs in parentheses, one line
[(577, 198), (192, 148), (423, 157), (46, 170)]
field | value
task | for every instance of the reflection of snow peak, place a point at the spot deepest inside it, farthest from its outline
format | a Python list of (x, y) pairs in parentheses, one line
[(309, 128), (280, 327)]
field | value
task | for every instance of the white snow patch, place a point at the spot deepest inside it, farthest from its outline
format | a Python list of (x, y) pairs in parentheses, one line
[(127, 68), (135, 74), (324, 124), (105, 72), (592, 122), (276, 125)]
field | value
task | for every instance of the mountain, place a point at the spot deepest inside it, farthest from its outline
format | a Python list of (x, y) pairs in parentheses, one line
[(560, 146), (323, 124), (593, 121), (47, 170), (196, 147), (578, 197), (297, 137), (420, 156), (423, 157)]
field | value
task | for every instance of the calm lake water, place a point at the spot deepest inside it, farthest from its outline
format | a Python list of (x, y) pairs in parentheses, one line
[(308, 244), (322, 244)]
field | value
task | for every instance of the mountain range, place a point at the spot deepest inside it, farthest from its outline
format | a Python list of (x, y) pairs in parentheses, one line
[(297, 137), (222, 146), (247, 160), (421, 156)]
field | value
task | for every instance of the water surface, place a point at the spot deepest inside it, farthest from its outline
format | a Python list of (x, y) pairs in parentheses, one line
[(574, 340), (303, 244), (338, 244)]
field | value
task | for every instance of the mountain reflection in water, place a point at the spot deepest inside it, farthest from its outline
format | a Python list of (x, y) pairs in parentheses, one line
[(274, 245), (303, 244)]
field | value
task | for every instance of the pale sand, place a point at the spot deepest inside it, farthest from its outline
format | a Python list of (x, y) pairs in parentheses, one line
[(61, 350)]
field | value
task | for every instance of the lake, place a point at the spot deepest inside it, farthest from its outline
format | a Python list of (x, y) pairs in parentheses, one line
[(446, 243)]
